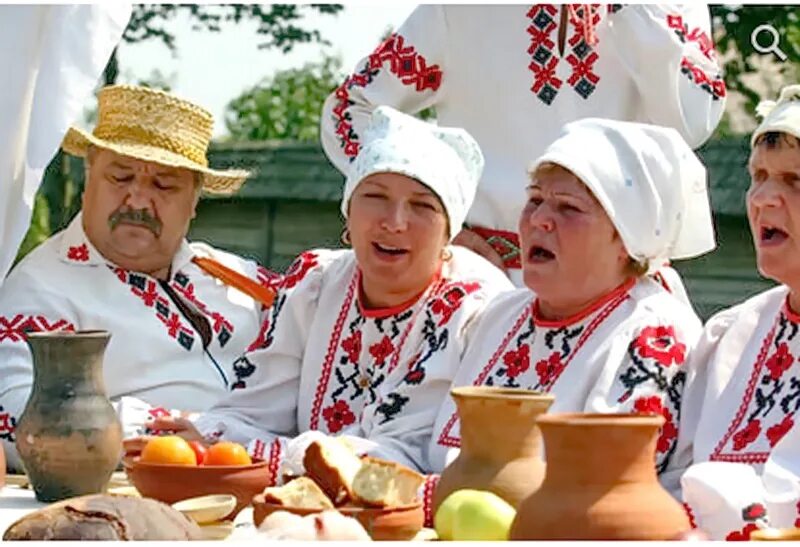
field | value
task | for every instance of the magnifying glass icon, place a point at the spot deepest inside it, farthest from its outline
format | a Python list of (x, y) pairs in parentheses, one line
[(775, 40)]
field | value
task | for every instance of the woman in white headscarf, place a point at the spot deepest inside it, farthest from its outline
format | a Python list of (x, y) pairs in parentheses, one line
[(608, 202), (738, 436), (364, 343)]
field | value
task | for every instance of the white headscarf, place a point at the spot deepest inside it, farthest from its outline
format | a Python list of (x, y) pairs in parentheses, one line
[(648, 180), (446, 160), (782, 116)]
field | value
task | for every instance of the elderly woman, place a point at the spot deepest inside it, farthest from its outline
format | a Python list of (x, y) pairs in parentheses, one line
[(364, 343), (743, 391), (608, 202)]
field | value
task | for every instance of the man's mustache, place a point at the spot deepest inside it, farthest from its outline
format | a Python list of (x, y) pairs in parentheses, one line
[(139, 217)]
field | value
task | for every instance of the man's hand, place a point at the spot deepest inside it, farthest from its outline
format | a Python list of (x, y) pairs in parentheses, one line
[(472, 241)]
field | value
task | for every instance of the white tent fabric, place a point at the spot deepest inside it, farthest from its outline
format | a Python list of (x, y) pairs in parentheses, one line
[(51, 58)]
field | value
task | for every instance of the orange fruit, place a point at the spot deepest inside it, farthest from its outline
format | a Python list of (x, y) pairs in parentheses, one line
[(227, 453), (168, 449)]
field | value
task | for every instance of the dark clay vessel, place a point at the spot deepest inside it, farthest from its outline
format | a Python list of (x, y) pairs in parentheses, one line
[(68, 437)]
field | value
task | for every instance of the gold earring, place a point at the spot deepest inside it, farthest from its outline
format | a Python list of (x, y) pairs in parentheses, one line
[(345, 237), (447, 254)]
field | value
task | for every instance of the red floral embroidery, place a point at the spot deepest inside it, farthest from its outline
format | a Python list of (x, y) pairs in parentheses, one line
[(352, 346), (648, 405), (753, 512), (6, 425), (659, 343), (404, 62), (743, 535), (549, 369), (298, 270), (381, 350), (780, 361), (517, 361), (449, 302), (777, 431), (79, 253), (338, 415), (653, 405), (747, 435)]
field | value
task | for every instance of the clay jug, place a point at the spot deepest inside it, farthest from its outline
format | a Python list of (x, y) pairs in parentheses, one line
[(68, 437), (500, 443), (600, 483)]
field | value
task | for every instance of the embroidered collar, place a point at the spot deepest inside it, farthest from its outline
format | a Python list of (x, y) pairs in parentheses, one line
[(586, 312), (76, 249), (380, 313)]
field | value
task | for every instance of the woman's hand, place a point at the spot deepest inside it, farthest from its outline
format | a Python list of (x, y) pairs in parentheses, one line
[(165, 426)]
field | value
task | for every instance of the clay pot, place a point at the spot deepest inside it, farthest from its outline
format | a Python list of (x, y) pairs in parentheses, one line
[(501, 445), (381, 523), (171, 483), (68, 437), (601, 482)]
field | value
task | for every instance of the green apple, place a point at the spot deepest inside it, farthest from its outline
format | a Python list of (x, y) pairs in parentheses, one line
[(474, 515)]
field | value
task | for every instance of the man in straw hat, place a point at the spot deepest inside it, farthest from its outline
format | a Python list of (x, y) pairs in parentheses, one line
[(180, 313)]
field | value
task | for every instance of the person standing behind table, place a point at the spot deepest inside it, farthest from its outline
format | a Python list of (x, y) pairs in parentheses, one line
[(50, 59), (514, 75)]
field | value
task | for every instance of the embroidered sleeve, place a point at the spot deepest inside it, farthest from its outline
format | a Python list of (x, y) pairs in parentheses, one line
[(405, 71), (264, 397), (25, 307), (670, 55), (645, 374)]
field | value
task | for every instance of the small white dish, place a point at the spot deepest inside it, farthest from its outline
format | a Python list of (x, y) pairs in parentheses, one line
[(207, 509)]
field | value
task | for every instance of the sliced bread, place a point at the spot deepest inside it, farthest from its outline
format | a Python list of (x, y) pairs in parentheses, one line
[(382, 483)]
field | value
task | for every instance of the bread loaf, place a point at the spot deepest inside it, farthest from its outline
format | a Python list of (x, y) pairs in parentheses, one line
[(105, 517), (333, 466), (301, 492), (381, 483)]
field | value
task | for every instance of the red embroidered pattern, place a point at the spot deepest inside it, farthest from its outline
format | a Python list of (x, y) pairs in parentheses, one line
[(274, 461), (541, 49), (431, 482), (78, 253), (743, 534), (447, 439), (145, 289), (690, 515), (7, 425), (451, 299), (327, 365), (714, 85), (15, 328), (158, 412), (404, 62), (696, 35), (661, 345), (745, 429), (298, 270), (338, 415), (653, 405)]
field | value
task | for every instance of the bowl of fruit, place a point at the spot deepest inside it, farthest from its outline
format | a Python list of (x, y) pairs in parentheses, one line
[(171, 469)]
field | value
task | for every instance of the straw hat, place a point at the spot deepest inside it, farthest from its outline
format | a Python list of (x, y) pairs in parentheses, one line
[(152, 125)]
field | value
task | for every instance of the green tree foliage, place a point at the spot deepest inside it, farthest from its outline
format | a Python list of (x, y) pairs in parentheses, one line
[(286, 105), (734, 25)]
